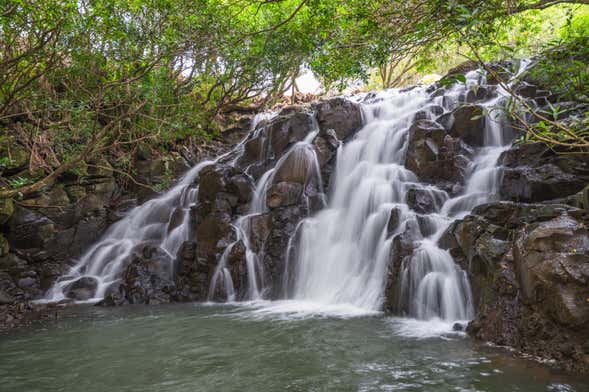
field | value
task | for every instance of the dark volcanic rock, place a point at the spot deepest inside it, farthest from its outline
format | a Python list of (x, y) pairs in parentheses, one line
[(469, 125), (396, 300), (421, 201), (339, 114), (284, 131), (284, 194), (433, 155), (81, 289), (534, 173), (146, 280), (529, 270)]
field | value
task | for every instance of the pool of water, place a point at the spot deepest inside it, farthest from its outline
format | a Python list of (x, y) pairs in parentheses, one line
[(257, 348)]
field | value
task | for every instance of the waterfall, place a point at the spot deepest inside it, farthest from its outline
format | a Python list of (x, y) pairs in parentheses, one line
[(343, 251), (163, 221), (301, 157), (337, 256)]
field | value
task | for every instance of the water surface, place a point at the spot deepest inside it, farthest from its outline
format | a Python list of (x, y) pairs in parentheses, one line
[(229, 348)]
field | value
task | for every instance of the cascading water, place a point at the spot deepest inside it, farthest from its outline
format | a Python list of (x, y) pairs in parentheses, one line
[(340, 255), (162, 222), (343, 251), (301, 157)]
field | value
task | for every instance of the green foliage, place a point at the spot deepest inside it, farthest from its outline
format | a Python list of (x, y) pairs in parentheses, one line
[(18, 182), (563, 69), (86, 77)]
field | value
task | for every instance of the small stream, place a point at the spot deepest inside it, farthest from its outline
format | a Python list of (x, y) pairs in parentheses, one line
[(247, 348)]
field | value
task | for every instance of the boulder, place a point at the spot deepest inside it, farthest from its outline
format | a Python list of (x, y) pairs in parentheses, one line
[(193, 274), (81, 289), (339, 114), (28, 229), (534, 173), (397, 301), (147, 279), (295, 168), (529, 271), (284, 194), (469, 125), (433, 155), (326, 144), (285, 220), (258, 229), (5, 298), (552, 262), (476, 94), (284, 131), (421, 200)]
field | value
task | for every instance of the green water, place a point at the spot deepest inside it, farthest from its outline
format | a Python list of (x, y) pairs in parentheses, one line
[(226, 348)]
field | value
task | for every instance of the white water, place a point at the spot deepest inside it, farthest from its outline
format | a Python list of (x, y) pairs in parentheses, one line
[(344, 251)]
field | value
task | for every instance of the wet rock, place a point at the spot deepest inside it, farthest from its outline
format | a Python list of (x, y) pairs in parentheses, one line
[(5, 298), (394, 220), (283, 226), (25, 283), (433, 155), (526, 90), (254, 149), (146, 280), (284, 131), (241, 186), (501, 72), (552, 262), (193, 273), (469, 125), (420, 200), (403, 245), (339, 114), (259, 227), (81, 289), (284, 194), (458, 327), (4, 246), (535, 173), (476, 94), (237, 264), (28, 229), (326, 145), (528, 266), (295, 168)]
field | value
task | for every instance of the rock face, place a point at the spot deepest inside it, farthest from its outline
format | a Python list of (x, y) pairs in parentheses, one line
[(145, 280), (82, 289), (529, 269), (43, 233), (339, 114), (434, 155), (534, 173), (469, 124)]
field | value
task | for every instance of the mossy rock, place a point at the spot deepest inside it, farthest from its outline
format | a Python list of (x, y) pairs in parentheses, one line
[(4, 246), (15, 157), (6, 210)]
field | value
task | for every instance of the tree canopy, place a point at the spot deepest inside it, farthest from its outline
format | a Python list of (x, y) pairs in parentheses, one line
[(78, 77)]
